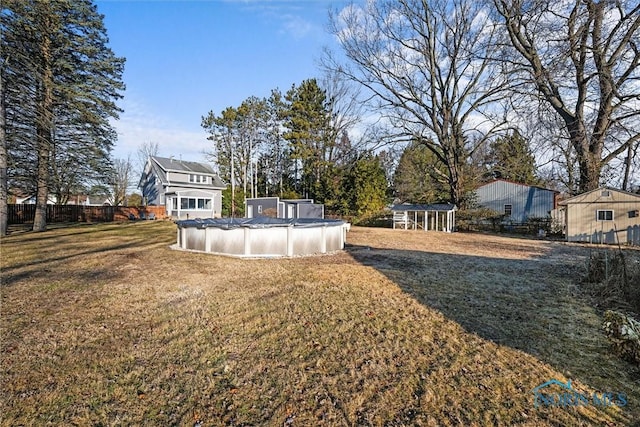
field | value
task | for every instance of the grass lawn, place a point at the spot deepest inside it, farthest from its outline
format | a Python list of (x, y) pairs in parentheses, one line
[(105, 325)]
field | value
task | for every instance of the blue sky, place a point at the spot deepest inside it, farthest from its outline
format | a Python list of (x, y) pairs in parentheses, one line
[(185, 58)]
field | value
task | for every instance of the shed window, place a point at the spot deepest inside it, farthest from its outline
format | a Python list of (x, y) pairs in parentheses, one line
[(259, 208), (507, 210), (604, 215), (606, 193)]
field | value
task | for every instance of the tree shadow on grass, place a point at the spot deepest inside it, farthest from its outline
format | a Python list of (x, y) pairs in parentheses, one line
[(22, 234), (43, 255), (529, 304)]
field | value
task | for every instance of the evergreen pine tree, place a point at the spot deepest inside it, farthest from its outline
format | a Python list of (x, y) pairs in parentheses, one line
[(61, 84), (510, 158)]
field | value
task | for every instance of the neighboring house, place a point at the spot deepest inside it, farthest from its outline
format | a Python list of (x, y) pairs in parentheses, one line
[(286, 208), (603, 215), (186, 189), (517, 202), (31, 200), (86, 200), (76, 199), (97, 201)]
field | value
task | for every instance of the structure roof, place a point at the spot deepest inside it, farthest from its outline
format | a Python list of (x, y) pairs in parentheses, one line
[(582, 195), (183, 165), (161, 165), (440, 207)]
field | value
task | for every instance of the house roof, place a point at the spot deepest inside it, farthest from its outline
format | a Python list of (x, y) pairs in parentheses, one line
[(515, 183), (581, 196), (162, 165), (287, 201), (441, 207), (176, 165)]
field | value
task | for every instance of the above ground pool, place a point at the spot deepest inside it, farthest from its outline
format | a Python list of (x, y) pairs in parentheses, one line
[(262, 237)]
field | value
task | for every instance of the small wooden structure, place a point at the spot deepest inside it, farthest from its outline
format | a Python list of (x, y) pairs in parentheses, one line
[(436, 217)]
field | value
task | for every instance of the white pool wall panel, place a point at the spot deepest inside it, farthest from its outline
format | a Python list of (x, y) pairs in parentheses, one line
[(257, 240)]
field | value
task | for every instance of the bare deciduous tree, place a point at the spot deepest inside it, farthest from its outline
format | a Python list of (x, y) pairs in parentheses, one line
[(346, 112), (146, 150), (582, 58), (428, 66), (120, 180)]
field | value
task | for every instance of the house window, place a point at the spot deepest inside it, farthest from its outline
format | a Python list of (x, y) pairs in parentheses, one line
[(175, 203), (634, 214), (194, 203), (198, 179), (204, 204), (507, 210), (604, 215), (187, 203)]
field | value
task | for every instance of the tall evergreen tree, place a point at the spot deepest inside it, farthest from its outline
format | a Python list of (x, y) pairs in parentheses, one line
[(365, 186), (223, 131), (309, 133), (62, 81), (276, 161), (4, 195), (252, 117), (420, 176), (510, 158)]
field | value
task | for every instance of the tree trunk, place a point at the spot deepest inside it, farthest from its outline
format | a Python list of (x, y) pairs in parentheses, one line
[(590, 169), (44, 129), (4, 210), (628, 164), (455, 178)]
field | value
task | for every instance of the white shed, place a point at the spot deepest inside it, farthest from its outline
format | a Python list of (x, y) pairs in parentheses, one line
[(437, 217)]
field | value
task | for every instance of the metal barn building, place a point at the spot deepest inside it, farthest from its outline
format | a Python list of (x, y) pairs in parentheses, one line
[(516, 201), (604, 215)]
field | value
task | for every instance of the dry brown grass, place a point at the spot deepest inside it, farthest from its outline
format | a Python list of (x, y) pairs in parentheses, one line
[(106, 325)]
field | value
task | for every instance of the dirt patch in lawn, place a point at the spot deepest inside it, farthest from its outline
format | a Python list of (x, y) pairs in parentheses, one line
[(106, 325)]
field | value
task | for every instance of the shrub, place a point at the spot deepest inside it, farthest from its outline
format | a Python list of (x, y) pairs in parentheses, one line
[(382, 218), (624, 334), (478, 219), (613, 278)]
